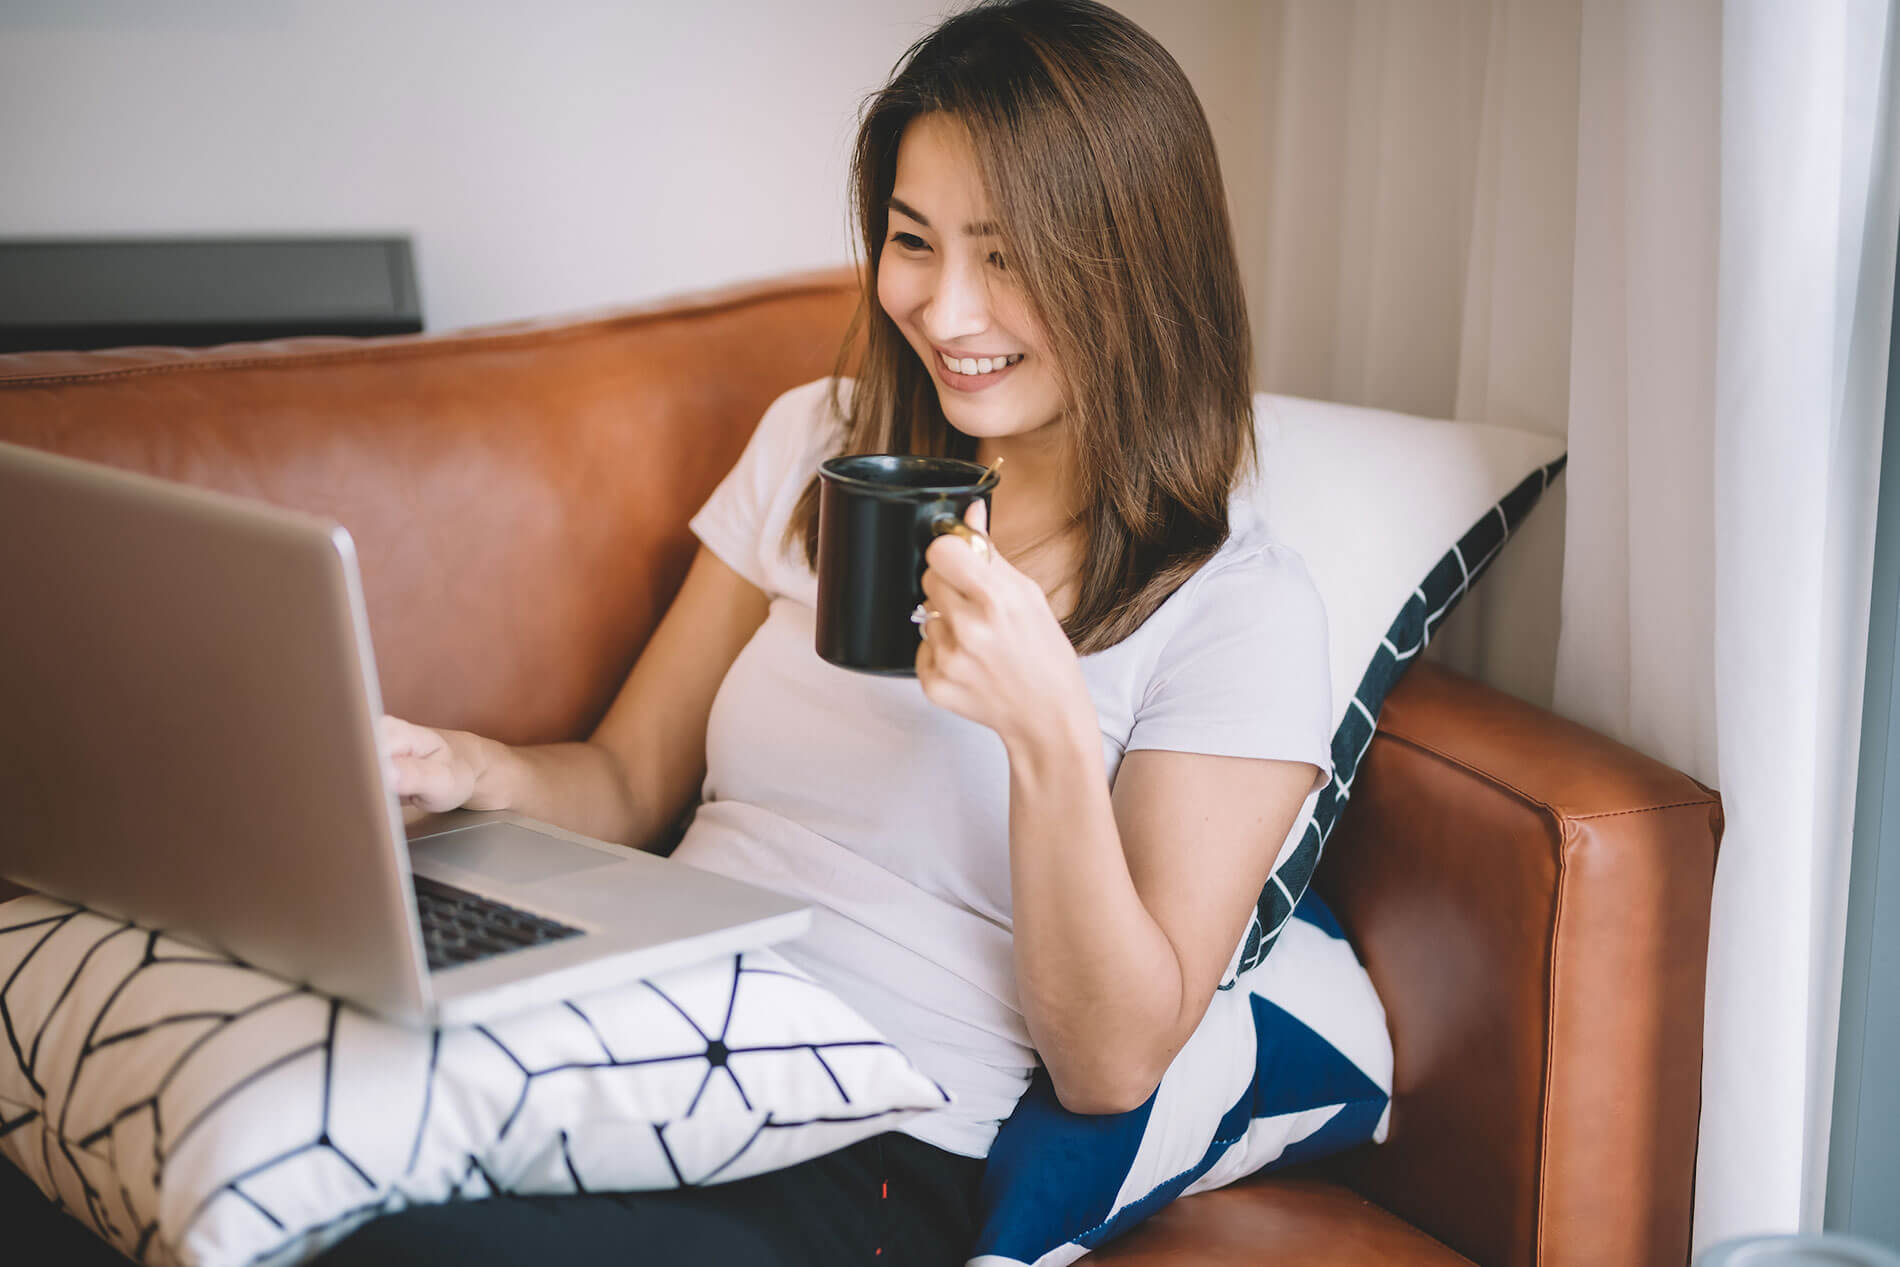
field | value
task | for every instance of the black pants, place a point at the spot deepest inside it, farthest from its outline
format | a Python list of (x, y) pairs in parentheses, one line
[(888, 1201)]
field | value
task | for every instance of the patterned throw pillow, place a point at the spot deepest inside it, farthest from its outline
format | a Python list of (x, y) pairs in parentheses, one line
[(193, 1110), (1396, 518), (1291, 1063)]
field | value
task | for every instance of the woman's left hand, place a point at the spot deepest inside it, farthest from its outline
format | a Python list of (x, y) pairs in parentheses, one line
[(993, 650)]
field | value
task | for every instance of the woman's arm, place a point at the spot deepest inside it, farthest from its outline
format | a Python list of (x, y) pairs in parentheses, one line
[(635, 775), (1128, 905)]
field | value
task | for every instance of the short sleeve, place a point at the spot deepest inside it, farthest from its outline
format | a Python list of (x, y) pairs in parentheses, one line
[(1246, 672), (744, 518)]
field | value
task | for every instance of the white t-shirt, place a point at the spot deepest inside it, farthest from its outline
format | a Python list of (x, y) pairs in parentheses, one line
[(891, 815)]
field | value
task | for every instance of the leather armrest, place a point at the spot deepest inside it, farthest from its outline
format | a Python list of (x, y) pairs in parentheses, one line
[(1532, 901)]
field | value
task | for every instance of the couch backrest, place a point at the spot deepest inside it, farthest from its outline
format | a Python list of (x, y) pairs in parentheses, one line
[(518, 494)]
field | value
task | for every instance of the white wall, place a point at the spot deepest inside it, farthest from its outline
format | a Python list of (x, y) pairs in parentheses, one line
[(545, 157)]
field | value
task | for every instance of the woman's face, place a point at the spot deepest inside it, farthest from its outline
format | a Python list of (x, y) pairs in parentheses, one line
[(942, 278)]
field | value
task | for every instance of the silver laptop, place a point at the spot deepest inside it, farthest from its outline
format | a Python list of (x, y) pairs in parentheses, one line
[(187, 739)]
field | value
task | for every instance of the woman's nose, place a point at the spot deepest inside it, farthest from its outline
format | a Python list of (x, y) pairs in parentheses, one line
[(958, 307)]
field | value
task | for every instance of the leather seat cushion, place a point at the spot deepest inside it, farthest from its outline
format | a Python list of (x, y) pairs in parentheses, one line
[(1276, 1220)]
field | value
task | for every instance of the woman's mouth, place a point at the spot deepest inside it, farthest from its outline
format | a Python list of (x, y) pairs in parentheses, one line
[(973, 373)]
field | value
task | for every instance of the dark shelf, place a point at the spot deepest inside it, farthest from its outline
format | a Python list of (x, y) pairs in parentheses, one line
[(77, 295)]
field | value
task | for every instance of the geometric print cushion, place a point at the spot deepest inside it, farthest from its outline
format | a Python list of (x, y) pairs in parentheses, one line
[(1292, 1062), (190, 1109)]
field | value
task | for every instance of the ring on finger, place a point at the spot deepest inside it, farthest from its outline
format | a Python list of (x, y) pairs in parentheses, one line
[(921, 616)]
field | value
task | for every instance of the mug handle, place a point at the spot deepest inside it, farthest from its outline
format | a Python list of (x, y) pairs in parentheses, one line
[(948, 523)]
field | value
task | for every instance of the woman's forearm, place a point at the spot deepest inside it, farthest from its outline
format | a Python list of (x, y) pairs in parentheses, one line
[(579, 786), (1101, 983)]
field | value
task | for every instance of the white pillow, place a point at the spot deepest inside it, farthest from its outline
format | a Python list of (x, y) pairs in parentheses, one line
[(1375, 501), (193, 1110), (1396, 518)]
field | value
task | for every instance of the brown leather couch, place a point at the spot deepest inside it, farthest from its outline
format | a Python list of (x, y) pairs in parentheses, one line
[(1531, 898)]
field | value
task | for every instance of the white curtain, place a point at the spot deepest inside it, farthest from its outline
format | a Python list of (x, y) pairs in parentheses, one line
[(1419, 223), (1736, 219), (1403, 180), (1666, 229), (1804, 299)]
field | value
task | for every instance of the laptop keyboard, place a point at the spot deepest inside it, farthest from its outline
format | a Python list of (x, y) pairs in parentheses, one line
[(460, 927)]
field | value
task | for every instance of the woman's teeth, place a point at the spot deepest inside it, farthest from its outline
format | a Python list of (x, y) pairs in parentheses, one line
[(977, 365)]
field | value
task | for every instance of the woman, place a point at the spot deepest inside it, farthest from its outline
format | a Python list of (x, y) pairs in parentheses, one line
[(1048, 846)]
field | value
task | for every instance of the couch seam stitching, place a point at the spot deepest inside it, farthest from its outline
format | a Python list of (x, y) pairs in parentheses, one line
[(1550, 1048), (1645, 809), (1485, 775), (1491, 778)]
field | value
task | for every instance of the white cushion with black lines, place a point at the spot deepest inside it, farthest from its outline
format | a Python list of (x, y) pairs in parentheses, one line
[(193, 1110), (1371, 500)]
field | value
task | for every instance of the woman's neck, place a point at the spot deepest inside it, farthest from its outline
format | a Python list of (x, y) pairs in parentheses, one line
[(1033, 519), (1032, 496)]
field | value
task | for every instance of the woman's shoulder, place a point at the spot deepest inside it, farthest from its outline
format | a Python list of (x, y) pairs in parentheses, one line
[(817, 396), (1254, 571), (1244, 637), (810, 415), (1254, 588), (1249, 575), (1252, 558)]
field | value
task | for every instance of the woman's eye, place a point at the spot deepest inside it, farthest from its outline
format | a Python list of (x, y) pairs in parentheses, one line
[(996, 258), (909, 241)]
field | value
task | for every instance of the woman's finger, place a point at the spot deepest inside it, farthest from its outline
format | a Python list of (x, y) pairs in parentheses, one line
[(931, 660), (397, 737), (952, 559), (410, 777), (956, 612), (943, 594), (939, 687), (425, 782), (939, 629)]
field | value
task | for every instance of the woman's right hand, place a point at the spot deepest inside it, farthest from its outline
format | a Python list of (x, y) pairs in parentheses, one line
[(633, 778), (432, 771)]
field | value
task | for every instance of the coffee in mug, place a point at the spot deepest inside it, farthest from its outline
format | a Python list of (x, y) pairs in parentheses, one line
[(877, 514)]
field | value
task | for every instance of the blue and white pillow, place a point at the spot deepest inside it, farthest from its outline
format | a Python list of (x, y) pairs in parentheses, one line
[(192, 1110), (1291, 1063), (1396, 518)]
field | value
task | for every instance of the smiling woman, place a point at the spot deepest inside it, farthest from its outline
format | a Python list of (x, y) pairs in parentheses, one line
[(1045, 187), (951, 295), (1045, 851)]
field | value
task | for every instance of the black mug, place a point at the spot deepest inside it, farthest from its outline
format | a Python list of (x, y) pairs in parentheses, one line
[(877, 514)]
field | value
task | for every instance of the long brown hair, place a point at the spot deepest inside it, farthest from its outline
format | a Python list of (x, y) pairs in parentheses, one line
[(1101, 175)]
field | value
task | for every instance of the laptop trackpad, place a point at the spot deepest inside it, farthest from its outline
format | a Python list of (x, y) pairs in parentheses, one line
[(510, 854)]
